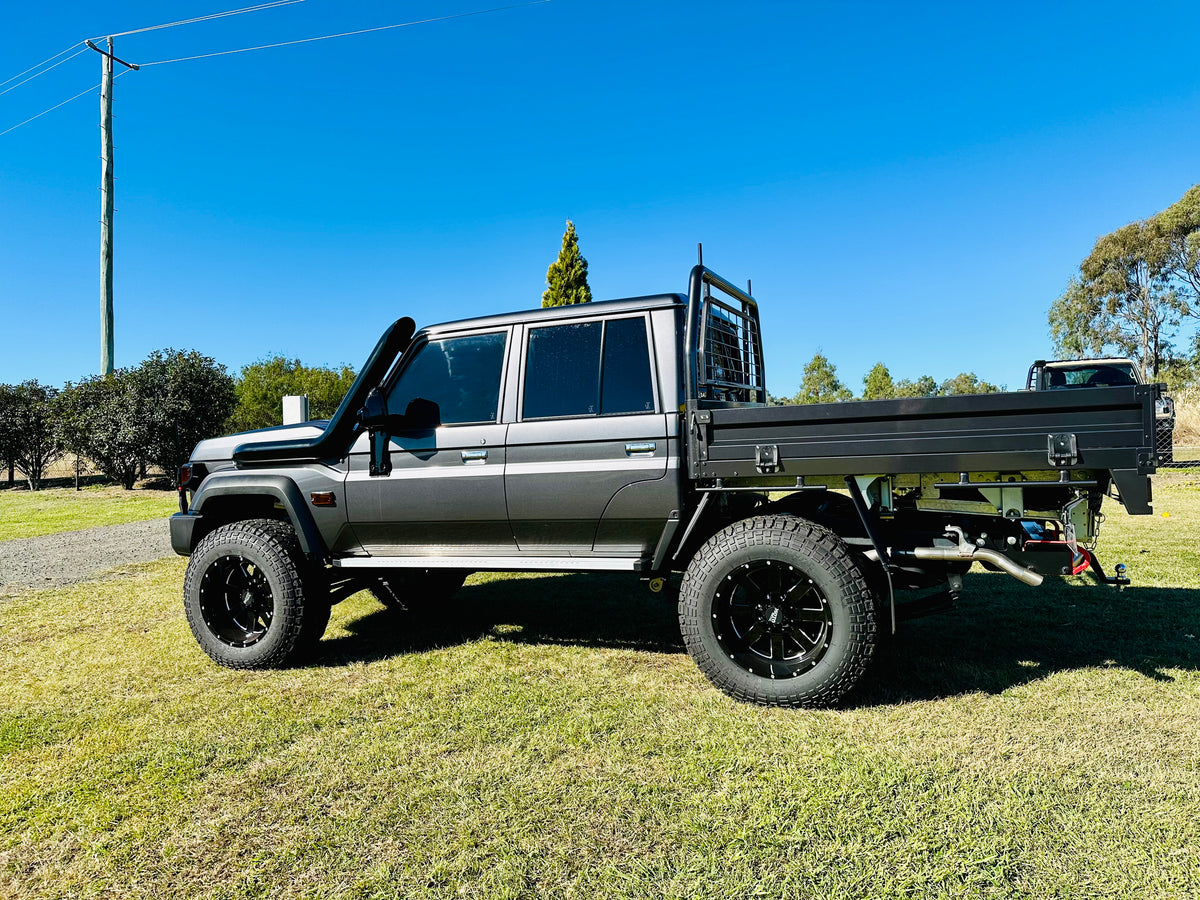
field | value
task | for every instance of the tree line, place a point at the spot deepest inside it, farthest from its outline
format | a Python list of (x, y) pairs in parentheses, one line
[(1130, 297), (152, 414), (1134, 293), (820, 384)]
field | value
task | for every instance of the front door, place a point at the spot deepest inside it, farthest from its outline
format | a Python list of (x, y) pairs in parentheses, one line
[(444, 495)]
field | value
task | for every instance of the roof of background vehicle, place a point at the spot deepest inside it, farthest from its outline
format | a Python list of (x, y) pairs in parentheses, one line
[(556, 313), (1096, 361)]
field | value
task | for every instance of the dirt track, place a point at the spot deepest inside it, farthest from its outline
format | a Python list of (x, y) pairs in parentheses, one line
[(57, 559)]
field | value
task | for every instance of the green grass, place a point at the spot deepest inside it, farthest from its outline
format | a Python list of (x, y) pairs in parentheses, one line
[(551, 739), (49, 511)]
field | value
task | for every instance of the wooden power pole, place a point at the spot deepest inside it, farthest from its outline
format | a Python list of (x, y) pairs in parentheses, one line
[(106, 205)]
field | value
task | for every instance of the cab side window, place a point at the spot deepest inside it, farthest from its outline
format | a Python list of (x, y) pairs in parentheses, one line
[(588, 369), (451, 382), (625, 382)]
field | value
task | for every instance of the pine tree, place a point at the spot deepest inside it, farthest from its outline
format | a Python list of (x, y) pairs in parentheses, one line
[(566, 279)]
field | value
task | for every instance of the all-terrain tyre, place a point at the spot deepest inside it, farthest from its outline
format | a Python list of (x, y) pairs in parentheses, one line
[(775, 611), (418, 590), (317, 607), (251, 598)]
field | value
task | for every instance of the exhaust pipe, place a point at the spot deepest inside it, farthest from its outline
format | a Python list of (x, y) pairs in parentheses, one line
[(971, 553)]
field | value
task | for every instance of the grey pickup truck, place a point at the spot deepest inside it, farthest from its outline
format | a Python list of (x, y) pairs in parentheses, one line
[(634, 436)]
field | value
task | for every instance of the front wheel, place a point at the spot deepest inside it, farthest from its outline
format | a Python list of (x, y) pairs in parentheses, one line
[(248, 598), (775, 610)]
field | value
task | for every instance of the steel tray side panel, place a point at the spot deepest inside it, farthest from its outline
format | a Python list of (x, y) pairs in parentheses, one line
[(1114, 428)]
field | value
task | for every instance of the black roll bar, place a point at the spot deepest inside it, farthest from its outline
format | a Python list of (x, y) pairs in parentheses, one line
[(693, 346)]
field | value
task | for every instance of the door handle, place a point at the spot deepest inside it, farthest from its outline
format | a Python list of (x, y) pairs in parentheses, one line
[(474, 455), (641, 447)]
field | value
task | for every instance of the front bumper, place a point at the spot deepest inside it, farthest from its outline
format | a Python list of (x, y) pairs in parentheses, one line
[(183, 526)]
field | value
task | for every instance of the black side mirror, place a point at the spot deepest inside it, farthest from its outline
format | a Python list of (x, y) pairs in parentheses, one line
[(374, 410), (422, 413), (373, 416)]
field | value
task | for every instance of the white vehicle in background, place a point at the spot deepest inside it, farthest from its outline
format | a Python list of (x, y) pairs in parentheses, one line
[(1108, 371)]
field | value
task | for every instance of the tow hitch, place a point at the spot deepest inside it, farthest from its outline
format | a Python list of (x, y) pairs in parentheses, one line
[(1118, 578)]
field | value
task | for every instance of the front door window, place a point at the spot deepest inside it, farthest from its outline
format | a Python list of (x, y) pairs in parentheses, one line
[(455, 381)]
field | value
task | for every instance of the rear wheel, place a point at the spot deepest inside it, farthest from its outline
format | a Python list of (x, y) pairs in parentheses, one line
[(418, 590), (249, 597), (775, 610)]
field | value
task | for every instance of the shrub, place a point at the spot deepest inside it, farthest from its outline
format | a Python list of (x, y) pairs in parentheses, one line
[(264, 384), (190, 397), (30, 429), (106, 419)]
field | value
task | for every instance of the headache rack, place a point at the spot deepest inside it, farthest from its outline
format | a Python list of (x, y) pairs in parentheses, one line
[(723, 329)]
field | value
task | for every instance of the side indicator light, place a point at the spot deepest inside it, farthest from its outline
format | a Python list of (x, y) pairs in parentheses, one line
[(323, 498)]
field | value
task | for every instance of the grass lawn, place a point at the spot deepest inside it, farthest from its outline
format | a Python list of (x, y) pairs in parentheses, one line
[(551, 739), (49, 511)]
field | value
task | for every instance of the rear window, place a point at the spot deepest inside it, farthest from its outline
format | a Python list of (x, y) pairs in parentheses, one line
[(1104, 375), (588, 369), (562, 373), (625, 382)]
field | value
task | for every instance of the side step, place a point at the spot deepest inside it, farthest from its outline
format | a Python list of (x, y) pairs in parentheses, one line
[(497, 563)]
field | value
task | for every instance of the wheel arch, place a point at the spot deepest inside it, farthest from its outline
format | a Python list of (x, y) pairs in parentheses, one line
[(228, 498), (826, 508)]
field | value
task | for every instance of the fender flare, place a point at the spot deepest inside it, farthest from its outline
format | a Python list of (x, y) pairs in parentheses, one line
[(280, 487)]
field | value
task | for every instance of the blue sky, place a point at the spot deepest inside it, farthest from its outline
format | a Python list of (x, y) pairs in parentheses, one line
[(912, 183)]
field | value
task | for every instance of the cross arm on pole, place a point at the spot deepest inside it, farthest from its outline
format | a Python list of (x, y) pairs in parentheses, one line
[(127, 65)]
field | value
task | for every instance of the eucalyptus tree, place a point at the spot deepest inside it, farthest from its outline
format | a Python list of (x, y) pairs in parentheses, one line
[(1177, 231), (820, 383), (1122, 299)]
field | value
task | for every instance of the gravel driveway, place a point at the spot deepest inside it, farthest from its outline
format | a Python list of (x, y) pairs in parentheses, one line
[(57, 559)]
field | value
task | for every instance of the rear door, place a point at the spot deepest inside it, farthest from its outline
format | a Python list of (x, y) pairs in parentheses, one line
[(589, 426)]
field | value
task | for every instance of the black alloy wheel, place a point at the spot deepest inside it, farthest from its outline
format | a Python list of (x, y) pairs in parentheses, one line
[(772, 619), (236, 601), (252, 599), (776, 610)]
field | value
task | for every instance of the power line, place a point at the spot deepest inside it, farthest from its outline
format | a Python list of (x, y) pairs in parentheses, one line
[(39, 65), (57, 105), (43, 72), (325, 37), (232, 12), (275, 3)]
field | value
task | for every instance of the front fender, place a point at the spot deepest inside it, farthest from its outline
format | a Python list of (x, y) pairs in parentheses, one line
[(187, 528)]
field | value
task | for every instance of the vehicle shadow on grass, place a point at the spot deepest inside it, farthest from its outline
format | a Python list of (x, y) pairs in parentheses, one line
[(1002, 634), (610, 611)]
